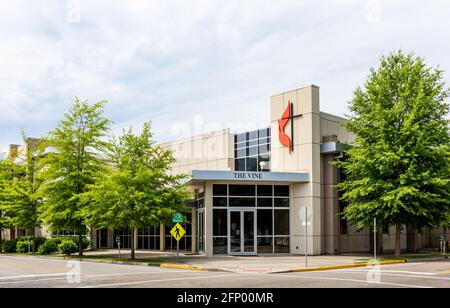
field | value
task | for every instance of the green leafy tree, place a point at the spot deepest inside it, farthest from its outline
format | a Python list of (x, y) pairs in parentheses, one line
[(72, 161), (138, 191), (20, 201), (398, 169), (5, 176)]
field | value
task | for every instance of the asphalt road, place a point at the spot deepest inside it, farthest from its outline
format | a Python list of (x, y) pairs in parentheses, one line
[(23, 272)]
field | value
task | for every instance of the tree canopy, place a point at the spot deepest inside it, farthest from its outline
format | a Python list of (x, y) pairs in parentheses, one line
[(398, 170), (138, 190), (72, 161), (19, 199)]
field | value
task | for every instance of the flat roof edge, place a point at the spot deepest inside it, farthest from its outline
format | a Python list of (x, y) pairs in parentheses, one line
[(214, 175)]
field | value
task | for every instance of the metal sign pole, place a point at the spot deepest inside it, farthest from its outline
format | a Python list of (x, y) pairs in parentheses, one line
[(118, 244), (178, 249), (375, 238), (306, 237)]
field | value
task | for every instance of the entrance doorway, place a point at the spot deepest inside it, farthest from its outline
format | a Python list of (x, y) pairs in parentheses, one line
[(242, 232)]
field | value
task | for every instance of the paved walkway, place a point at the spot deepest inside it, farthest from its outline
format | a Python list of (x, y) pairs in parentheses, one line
[(239, 264)]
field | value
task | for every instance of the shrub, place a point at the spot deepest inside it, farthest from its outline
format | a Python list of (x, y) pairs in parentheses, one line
[(49, 246), (86, 243), (23, 246), (9, 246), (67, 247), (38, 241), (74, 239)]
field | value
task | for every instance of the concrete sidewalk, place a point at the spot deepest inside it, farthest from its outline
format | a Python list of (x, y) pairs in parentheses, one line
[(237, 264)]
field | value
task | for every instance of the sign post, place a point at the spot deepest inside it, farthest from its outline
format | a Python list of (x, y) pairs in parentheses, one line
[(118, 244), (375, 238), (178, 232), (305, 218)]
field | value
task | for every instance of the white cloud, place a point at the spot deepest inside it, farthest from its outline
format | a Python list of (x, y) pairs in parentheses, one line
[(170, 60)]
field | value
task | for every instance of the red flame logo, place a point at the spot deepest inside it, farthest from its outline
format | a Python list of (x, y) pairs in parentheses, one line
[(284, 138)]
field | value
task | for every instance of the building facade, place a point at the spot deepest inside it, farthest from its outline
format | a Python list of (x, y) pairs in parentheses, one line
[(268, 191)]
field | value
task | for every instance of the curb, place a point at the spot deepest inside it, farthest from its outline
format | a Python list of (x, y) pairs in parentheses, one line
[(333, 267), (180, 266), (192, 267)]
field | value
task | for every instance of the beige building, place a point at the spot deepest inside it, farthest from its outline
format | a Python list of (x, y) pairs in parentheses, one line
[(269, 191)]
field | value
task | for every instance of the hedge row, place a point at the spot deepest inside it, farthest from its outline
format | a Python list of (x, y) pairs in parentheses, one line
[(65, 245)]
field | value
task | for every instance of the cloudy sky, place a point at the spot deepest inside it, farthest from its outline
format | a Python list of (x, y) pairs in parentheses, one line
[(189, 66)]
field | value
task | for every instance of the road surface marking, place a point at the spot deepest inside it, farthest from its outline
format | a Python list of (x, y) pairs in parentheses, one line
[(159, 280), (354, 280), (31, 276), (82, 276)]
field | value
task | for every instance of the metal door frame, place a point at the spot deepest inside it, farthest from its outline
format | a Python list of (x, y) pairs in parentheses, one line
[(242, 211)]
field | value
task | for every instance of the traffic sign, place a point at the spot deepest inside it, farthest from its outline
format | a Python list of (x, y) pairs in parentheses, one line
[(118, 240), (177, 218), (177, 231)]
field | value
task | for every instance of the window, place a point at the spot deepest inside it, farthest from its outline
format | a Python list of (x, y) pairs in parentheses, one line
[(240, 152), (252, 164), (265, 222), (281, 191), (240, 137), (200, 197), (242, 202), (272, 215), (386, 229), (265, 244), (242, 190), (281, 202), (265, 202), (343, 224), (263, 133), (125, 238), (252, 135), (265, 190), (281, 245), (239, 164), (252, 151), (220, 190), (220, 225), (148, 238), (281, 222), (219, 201)]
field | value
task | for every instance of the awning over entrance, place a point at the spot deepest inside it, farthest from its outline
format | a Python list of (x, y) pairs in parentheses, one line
[(199, 176)]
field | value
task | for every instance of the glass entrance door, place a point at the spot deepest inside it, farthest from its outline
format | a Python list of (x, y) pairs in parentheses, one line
[(201, 231), (242, 232)]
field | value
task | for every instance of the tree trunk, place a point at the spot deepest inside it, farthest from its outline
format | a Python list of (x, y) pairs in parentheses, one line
[(1, 239), (80, 245), (33, 243), (398, 228), (132, 245)]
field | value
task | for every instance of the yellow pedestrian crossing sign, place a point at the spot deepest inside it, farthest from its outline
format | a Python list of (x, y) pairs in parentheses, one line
[(177, 231)]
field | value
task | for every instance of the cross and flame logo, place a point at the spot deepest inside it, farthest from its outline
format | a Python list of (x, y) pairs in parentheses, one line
[(288, 115)]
